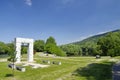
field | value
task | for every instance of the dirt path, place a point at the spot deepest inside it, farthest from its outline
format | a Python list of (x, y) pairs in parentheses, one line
[(3, 60), (116, 71)]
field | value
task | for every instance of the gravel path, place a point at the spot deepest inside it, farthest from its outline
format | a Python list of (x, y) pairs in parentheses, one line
[(116, 71), (35, 65), (3, 60)]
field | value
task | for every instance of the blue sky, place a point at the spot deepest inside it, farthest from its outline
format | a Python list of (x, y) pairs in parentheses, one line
[(66, 20)]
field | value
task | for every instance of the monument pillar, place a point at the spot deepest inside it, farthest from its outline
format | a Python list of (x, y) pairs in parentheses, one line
[(18, 52), (30, 52)]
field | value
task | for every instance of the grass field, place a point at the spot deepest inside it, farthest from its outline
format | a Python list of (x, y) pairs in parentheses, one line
[(72, 68)]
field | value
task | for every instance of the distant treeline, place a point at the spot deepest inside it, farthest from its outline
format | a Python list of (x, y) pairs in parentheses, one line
[(107, 45), (50, 47)]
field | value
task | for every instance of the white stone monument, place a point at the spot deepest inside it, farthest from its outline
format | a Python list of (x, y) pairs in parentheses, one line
[(18, 44)]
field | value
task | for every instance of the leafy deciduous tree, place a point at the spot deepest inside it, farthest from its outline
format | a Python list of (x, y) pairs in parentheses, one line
[(39, 45)]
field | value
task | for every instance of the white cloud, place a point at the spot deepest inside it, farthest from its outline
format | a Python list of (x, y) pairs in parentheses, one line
[(83, 37), (28, 2), (105, 31), (102, 32)]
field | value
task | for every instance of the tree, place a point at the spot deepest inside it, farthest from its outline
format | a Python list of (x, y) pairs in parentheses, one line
[(50, 45), (57, 51), (52, 48), (51, 40), (110, 44), (12, 59), (39, 45), (95, 51), (24, 50), (71, 50), (4, 49), (11, 48), (111, 52), (84, 51)]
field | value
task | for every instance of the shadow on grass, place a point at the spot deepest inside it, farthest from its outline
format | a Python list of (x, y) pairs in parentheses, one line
[(9, 75), (96, 71)]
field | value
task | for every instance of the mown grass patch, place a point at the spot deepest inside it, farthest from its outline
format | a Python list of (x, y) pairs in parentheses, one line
[(72, 68)]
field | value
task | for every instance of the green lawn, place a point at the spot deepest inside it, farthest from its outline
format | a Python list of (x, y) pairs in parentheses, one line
[(72, 68)]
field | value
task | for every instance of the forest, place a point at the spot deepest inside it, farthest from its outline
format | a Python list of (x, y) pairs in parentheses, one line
[(107, 44)]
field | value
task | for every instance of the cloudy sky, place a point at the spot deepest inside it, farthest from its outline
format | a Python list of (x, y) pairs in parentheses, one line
[(65, 20)]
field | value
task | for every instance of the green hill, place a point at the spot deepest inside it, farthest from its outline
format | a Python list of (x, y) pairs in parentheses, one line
[(90, 41), (106, 44)]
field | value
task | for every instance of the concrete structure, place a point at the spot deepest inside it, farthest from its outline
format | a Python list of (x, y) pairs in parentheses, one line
[(18, 44)]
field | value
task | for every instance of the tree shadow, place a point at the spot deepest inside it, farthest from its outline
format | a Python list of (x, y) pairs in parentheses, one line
[(9, 75), (96, 71)]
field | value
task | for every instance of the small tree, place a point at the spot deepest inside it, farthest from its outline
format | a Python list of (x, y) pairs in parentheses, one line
[(13, 60), (50, 45), (52, 48), (51, 40), (39, 45)]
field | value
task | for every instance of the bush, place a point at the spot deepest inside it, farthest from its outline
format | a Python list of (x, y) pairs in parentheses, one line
[(53, 49)]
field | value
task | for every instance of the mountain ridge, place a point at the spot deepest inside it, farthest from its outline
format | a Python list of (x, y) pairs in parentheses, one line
[(93, 39)]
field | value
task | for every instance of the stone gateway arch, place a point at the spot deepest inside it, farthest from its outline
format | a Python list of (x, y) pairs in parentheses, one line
[(18, 44)]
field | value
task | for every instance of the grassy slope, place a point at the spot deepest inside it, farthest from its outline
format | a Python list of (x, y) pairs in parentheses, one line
[(72, 68), (93, 39)]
